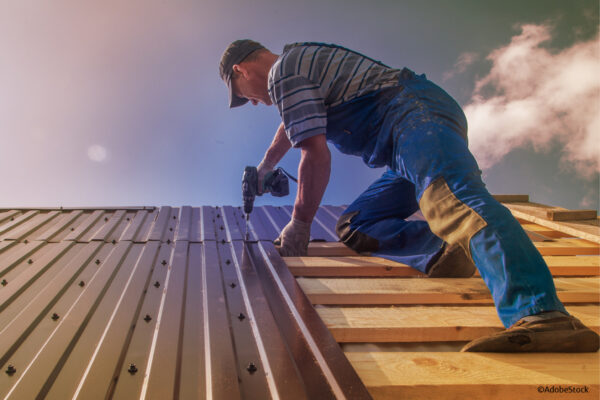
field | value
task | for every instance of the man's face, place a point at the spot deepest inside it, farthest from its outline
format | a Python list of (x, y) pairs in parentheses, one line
[(250, 86)]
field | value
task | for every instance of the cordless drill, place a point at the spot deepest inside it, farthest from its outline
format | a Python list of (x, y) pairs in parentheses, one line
[(275, 182)]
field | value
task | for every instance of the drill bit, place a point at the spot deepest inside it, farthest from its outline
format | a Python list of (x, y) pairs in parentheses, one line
[(246, 236)]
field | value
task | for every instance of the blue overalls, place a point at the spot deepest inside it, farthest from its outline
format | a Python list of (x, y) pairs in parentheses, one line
[(420, 133)]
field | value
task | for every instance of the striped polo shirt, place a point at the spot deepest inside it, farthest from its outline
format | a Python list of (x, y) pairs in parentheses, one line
[(309, 78)]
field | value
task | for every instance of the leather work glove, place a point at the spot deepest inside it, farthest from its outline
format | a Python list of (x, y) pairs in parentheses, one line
[(294, 239), (262, 170)]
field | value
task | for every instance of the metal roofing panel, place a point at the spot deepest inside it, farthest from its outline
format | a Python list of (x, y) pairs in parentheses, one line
[(179, 305)]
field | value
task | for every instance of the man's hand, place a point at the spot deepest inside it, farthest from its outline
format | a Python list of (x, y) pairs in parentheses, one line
[(294, 239), (262, 169)]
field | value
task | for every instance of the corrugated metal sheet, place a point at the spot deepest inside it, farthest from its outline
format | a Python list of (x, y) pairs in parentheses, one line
[(160, 303)]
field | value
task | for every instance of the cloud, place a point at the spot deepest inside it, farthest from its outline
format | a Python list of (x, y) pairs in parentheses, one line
[(97, 153), (464, 60), (535, 97)]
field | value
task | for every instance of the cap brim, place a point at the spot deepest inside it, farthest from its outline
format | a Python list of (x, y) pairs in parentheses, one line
[(234, 101)]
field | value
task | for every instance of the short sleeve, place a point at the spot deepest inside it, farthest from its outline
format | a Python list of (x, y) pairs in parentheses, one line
[(301, 106)]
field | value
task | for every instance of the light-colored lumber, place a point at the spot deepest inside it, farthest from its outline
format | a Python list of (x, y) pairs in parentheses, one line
[(571, 215), (376, 266), (566, 247), (424, 323), (586, 229), (361, 291), (419, 375)]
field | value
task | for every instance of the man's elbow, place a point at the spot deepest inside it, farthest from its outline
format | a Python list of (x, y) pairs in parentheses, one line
[(316, 146)]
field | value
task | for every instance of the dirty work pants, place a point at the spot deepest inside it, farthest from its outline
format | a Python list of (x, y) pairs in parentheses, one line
[(431, 169)]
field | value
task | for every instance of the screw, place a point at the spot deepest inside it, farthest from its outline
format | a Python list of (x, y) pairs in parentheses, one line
[(218, 215), (241, 317), (388, 268), (72, 229), (30, 261), (251, 368), (26, 241), (55, 316), (132, 369), (232, 285), (114, 241), (168, 241), (171, 229), (164, 262), (174, 217), (228, 262), (97, 261), (222, 241), (12, 218), (221, 227), (156, 284), (11, 369), (105, 219), (147, 318), (4, 282), (128, 218), (82, 283)]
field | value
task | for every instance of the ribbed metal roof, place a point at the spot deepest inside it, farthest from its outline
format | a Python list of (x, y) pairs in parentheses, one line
[(162, 303)]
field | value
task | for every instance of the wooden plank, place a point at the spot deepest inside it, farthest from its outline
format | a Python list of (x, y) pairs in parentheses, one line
[(429, 291), (586, 229), (376, 266), (571, 215), (569, 247), (425, 324), (419, 375), (511, 198)]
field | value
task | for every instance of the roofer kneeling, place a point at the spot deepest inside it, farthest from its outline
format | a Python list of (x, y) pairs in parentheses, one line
[(401, 120)]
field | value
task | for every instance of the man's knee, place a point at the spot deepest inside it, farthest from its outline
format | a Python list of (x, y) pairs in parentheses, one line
[(353, 238)]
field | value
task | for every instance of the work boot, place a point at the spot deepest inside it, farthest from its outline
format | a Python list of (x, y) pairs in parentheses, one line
[(453, 263), (560, 334)]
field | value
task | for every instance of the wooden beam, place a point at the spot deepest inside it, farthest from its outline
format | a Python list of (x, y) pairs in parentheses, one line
[(362, 291), (354, 266), (422, 375), (417, 324), (558, 247), (571, 215), (585, 229), (512, 198)]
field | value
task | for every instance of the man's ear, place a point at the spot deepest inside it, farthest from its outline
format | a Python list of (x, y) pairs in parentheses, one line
[(240, 69)]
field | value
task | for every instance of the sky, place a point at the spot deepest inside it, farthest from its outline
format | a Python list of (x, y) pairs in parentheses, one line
[(118, 103)]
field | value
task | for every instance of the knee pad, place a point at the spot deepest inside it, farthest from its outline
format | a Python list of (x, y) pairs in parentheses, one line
[(353, 238), (448, 217)]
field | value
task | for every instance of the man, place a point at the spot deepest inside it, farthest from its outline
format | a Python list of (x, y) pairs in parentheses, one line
[(395, 118)]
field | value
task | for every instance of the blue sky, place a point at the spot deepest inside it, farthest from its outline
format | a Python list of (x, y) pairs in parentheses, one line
[(120, 103)]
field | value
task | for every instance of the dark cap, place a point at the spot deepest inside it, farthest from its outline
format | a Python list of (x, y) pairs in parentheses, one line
[(235, 53)]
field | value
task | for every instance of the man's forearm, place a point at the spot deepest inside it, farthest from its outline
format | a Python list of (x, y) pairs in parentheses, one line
[(313, 176), (279, 146)]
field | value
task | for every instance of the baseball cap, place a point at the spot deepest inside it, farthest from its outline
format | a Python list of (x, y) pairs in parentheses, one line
[(235, 53)]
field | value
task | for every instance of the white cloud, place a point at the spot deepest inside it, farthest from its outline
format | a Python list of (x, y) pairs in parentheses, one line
[(463, 61), (539, 98), (97, 153)]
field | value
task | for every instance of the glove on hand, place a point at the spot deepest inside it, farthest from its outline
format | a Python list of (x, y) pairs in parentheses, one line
[(294, 239), (262, 170)]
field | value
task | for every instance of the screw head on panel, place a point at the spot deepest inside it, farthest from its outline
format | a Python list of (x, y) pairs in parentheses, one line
[(30, 261), (132, 369), (26, 241), (105, 219), (156, 284), (81, 283), (72, 229), (164, 262), (174, 217), (228, 262), (171, 229), (218, 215), (168, 241), (114, 241), (128, 218), (10, 370), (147, 318), (241, 317), (251, 368), (4, 282), (97, 261), (55, 316), (233, 285)]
